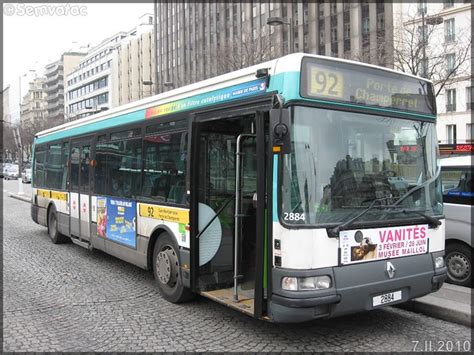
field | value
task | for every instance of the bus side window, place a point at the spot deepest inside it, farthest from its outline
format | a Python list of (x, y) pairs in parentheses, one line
[(64, 161), (38, 177), (165, 167)]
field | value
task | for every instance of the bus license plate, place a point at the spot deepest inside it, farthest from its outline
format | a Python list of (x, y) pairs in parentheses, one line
[(386, 298)]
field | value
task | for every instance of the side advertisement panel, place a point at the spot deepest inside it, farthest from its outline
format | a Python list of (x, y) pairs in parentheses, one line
[(116, 220)]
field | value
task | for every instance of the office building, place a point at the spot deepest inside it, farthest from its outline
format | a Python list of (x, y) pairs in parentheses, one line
[(134, 76), (201, 40), (55, 74)]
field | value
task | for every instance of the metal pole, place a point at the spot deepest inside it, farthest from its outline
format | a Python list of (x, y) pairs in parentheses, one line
[(291, 40), (237, 214), (20, 146), (423, 37), (155, 43)]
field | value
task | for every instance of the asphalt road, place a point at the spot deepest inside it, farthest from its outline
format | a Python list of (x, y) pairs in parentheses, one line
[(66, 298)]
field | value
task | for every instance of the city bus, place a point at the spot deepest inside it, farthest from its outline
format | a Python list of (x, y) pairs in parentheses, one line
[(300, 188)]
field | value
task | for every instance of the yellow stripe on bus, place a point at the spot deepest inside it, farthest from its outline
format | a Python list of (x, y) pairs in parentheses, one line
[(59, 195), (165, 213), (55, 195), (43, 193)]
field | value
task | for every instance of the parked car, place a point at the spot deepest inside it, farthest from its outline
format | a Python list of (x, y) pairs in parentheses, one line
[(458, 198), (26, 175), (12, 172)]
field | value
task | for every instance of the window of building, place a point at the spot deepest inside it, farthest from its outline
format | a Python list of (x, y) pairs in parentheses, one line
[(449, 30), (365, 25), (380, 22), (448, 3), (469, 97), (450, 100), (470, 133), (334, 34), (451, 133), (450, 62)]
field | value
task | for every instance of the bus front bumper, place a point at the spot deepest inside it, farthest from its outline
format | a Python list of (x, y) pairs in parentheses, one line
[(354, 288)]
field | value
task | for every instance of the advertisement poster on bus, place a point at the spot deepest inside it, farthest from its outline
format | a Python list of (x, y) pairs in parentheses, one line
[(116, 220), (382, 243)]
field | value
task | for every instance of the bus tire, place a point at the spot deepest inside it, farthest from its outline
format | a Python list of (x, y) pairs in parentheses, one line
[(458, 258), (54, 235), (167, 272)]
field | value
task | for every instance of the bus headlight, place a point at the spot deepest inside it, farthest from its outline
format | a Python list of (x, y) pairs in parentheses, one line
[(439, 262), (306, 283)]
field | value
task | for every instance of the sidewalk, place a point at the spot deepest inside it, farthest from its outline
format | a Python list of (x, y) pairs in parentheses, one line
[(451, 303), (24, 197)]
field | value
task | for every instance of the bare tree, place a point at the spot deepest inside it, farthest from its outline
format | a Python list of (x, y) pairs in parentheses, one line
[(252, 51), (425, 53)]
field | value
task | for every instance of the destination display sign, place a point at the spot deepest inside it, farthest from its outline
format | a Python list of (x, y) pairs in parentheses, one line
[(344, 82)]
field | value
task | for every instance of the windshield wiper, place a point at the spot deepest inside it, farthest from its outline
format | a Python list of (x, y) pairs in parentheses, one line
[(434, 222), (334, 232)]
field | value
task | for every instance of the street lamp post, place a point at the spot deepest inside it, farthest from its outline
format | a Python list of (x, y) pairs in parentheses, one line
[(431, 20), (277, 21), (155, 43)]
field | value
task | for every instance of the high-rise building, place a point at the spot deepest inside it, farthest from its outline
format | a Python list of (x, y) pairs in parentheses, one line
[(134, 75), (200, 40), (88, 87), (54, 84), (112, 73)]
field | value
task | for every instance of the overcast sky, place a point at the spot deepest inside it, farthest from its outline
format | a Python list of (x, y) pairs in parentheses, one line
[(37, 34)]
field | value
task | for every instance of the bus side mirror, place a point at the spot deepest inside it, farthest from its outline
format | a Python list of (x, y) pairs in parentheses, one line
[(280, 130)]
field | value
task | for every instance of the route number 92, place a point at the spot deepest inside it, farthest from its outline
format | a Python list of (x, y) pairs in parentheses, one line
[(325, 83)]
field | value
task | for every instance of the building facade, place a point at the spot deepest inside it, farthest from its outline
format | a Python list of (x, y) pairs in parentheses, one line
[(55, 74), (114, 72), (34, 106), (88, 87), (201, 40), (134, 76), (444, 57)]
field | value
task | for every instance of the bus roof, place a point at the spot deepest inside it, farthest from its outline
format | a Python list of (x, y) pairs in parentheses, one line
[(289, 63)]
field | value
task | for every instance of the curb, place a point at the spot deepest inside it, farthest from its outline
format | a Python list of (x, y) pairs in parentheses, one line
[(434, 310), (21, 198)]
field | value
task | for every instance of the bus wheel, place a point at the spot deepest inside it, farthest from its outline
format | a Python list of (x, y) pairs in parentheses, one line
[(459, 263), (166, 269), (56, 237)]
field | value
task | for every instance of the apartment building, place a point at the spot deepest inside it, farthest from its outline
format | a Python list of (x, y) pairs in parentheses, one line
[(34, 106), (134, 76), (88, 87), (55, 74), (444, 57)]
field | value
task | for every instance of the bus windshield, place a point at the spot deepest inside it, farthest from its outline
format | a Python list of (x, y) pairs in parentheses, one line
[(342, 161)]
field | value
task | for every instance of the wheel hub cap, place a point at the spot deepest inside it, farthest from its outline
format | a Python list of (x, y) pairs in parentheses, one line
[(458, 266), (167, 267)]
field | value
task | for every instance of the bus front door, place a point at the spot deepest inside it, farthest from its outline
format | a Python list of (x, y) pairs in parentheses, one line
[(225, 199), (80, 190)]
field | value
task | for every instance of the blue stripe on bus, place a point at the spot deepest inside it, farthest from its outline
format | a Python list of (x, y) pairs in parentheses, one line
[(94, 126), (275, 189)]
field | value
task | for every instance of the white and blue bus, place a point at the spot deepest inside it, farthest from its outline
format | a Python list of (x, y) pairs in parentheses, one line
[(300, 188)]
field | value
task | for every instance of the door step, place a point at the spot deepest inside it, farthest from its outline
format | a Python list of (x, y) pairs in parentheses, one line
[(81, 243), (225, 296)]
